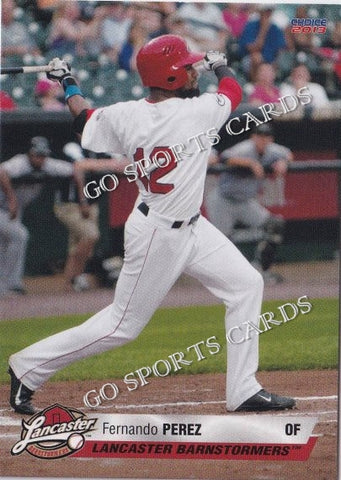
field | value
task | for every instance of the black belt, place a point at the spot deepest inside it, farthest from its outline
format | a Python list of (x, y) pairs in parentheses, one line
[(143, 207)]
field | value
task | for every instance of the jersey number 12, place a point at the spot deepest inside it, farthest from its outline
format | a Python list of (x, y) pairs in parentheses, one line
[(164, 160)]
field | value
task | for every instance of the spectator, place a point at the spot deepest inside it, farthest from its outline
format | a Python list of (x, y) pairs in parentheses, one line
[(6, 101), (42, 11), (28, 171), (300, 77), (150, 16), (235, 198), (261, 41), (68, 33), (334, 41), (300, 42), (115, 29), (137, 37), (235, 16), (265, 90), (15, 38), (47, 94), (301, 46), (175, 25), (157, 24), (206, 25), (93, 45), (331, 50)]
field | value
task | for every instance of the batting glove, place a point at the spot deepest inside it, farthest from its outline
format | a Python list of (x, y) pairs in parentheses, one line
[(214, 59), (59, 70)]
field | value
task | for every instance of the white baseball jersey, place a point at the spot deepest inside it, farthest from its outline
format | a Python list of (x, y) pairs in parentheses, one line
[(158, 131)]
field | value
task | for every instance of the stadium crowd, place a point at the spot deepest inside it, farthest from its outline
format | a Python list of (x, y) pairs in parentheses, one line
[(101, 39)]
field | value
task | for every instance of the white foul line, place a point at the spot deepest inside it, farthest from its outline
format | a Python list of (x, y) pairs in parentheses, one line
[(160, 405), (329, 397), (210, 402)]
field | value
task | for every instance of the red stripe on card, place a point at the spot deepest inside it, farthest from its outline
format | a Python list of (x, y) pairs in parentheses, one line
[(194, 450)]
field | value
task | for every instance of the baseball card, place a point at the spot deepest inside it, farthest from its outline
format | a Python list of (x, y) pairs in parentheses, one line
[(169, 240)]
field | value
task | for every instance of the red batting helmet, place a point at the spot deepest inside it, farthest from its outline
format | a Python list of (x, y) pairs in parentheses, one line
[(161, 62)]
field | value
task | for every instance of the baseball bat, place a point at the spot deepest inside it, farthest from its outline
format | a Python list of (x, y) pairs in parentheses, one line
[(35, 69)]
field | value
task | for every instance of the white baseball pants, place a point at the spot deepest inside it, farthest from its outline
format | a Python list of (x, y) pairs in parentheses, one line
[(156, 255)]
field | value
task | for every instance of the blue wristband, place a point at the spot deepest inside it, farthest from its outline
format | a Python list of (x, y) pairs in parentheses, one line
[(72, 90)]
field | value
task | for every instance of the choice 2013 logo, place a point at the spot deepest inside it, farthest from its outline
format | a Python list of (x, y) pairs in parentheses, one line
[(309, 25), (55, 432)]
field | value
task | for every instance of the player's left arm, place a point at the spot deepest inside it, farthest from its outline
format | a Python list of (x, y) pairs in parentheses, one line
[(228, 85)]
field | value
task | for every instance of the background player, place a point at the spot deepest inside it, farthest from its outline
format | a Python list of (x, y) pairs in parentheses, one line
[(29, 171), (235, 199), (165, 235), (74, 211)]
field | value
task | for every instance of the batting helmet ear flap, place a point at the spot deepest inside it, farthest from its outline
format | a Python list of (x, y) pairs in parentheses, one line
[(161, 62)]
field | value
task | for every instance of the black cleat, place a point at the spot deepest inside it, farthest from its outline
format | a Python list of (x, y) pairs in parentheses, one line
[(263, 401), (20, 396)]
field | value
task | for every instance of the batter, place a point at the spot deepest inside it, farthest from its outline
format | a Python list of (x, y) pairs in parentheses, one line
[(165, 234)]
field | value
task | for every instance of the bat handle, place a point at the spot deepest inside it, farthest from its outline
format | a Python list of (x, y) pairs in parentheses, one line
[(4, 70)]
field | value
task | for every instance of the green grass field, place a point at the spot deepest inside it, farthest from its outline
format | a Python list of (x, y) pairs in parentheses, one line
[(306, 342)]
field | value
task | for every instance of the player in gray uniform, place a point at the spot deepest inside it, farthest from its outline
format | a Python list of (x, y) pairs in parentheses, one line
[(27, 172), (235, 198)]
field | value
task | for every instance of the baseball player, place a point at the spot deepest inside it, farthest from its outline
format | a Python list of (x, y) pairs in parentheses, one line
[(235, 197), (165, 235), (81, 220), (27, 172), (80, 215)]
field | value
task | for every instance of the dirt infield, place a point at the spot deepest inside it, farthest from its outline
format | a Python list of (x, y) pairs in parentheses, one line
[(184, 394)]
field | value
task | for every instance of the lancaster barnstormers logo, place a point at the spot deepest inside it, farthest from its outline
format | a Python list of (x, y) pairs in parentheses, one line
[(53, 433)]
